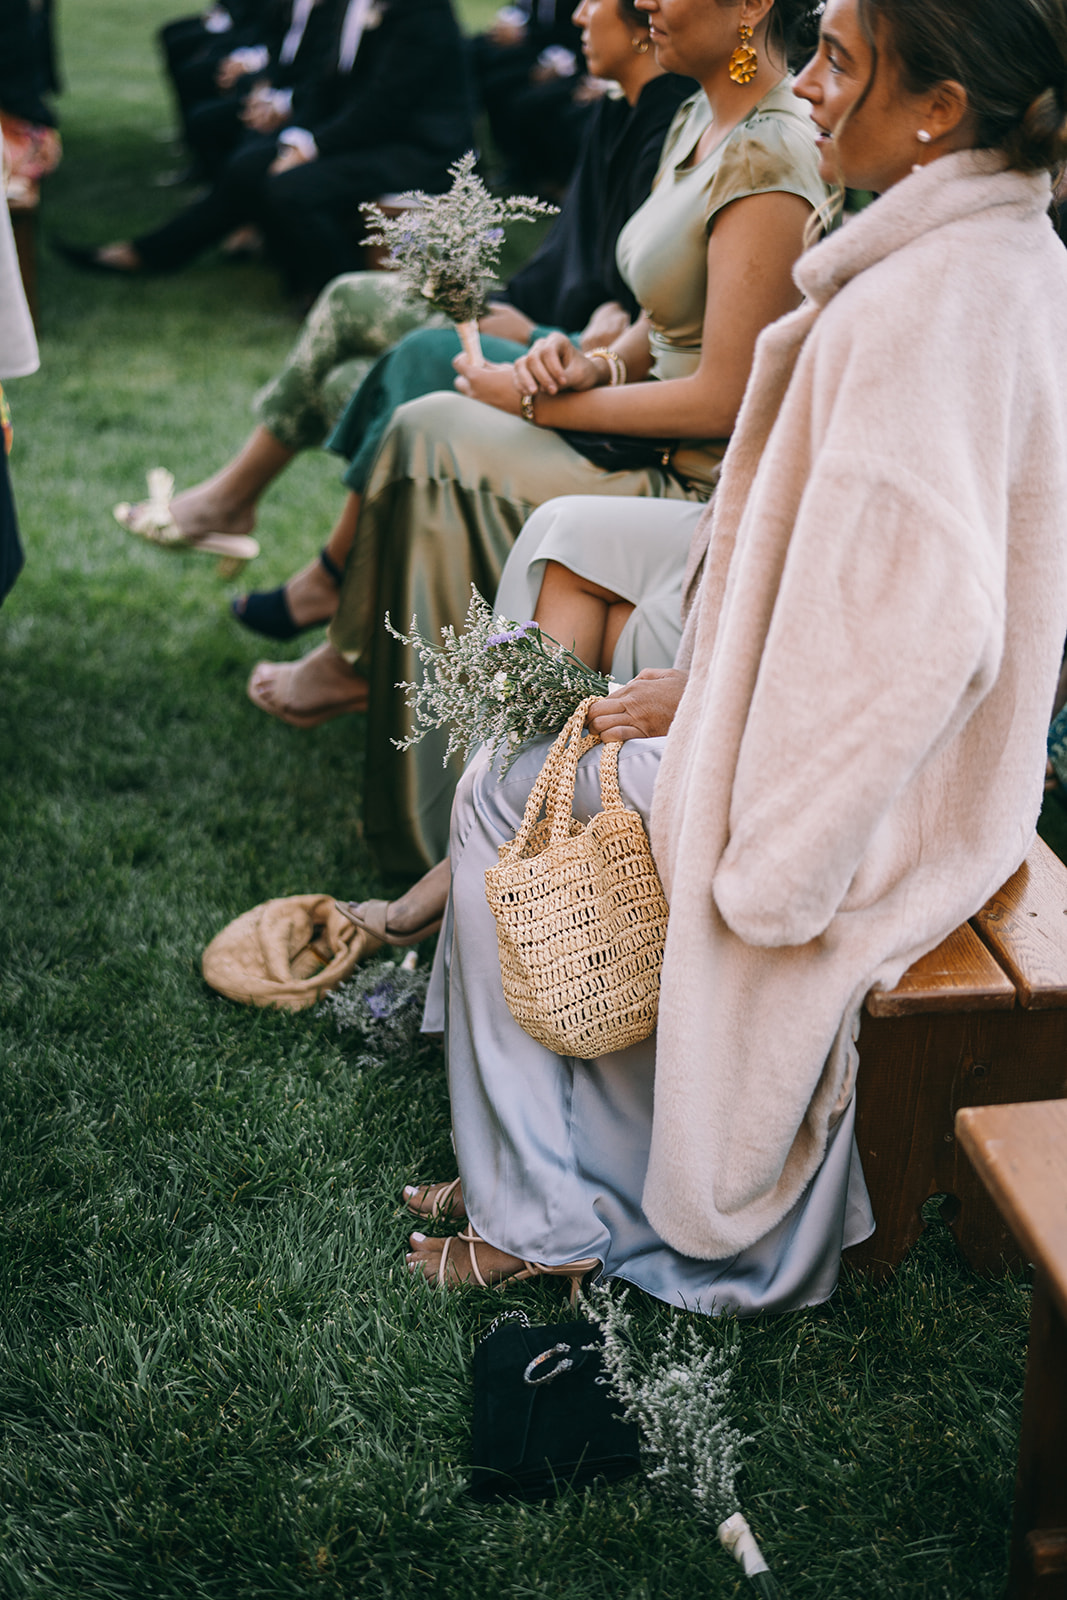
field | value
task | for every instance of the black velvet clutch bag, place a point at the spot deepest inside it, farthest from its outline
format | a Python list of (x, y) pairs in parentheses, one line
[(621, 452), (542, 1422)]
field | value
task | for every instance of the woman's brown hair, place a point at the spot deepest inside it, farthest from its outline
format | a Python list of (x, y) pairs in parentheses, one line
[(1009, 55)]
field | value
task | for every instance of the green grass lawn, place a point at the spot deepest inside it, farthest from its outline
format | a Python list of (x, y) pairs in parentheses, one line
[(215, 1376)]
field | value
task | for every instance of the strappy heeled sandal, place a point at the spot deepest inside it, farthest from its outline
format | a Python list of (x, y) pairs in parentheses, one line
[(375, 920), (152, 521), (574, 1270), (440, 1205), (373, 915), (266, 611)]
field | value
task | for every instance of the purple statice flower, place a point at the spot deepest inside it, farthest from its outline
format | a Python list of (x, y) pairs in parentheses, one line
[(509, 636), (382, 1004), (381, 1001)]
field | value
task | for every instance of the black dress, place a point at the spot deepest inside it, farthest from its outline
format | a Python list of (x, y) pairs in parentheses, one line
[(575, 270)]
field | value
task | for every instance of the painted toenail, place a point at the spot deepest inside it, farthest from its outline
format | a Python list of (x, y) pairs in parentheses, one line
[(419, 1238), (409, 1188)]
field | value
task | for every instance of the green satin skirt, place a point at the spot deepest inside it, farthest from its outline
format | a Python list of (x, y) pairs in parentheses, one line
[(445, 500)]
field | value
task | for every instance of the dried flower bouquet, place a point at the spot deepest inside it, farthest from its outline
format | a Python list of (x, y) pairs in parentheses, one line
[(446, 247), (499, 683)]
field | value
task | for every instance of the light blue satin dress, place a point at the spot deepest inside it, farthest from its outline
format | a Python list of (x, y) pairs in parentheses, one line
[(553, 1150)]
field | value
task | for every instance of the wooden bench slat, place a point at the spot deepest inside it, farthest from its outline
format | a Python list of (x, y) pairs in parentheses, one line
[(1020, 1153), (1025, 927), (960, 975)]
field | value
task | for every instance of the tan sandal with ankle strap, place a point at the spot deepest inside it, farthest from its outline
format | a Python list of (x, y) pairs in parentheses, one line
[(574, 1270)]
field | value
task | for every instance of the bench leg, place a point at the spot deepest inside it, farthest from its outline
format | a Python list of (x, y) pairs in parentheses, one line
[(1039, 1530), (915, 1072)]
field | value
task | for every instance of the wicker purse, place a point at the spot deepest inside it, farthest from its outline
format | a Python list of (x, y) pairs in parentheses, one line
[(580, 913)]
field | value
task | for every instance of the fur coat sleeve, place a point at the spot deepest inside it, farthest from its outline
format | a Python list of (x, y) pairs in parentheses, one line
[(857, 761)]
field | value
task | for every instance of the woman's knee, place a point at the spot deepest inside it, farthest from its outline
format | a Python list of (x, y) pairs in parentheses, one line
[(334, 304), (437, 413)]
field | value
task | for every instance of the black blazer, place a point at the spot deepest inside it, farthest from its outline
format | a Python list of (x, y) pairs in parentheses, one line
[(317, 50), (407, 85)]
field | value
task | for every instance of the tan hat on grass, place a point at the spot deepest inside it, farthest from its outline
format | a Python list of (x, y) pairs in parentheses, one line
[(286, 953)]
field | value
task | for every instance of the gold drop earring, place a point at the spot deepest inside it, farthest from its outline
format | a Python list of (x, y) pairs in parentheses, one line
[(744, 63), (639, 45)]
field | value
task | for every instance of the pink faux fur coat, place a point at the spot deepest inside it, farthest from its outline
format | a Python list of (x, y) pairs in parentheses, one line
[(857, 761)]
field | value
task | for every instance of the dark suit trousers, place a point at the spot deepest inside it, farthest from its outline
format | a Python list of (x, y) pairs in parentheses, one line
[(309, 216)]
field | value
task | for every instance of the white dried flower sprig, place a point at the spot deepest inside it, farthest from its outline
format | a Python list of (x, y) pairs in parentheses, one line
[(679, 1397), (446, 247), (498, 683)]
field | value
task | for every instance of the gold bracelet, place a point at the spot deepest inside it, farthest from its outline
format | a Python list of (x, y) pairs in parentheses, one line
[(526, 406), (616, 365)]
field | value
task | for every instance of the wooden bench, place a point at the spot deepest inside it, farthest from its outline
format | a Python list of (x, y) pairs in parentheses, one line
[(1020, 1154), (981, 1020)]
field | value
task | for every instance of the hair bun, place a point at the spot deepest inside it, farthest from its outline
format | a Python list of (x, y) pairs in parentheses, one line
[(794, 26), (1040, 139)]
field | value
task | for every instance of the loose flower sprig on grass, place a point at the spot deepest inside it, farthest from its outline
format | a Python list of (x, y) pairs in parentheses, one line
[(382, 1004), (497, 683), (679, 1396), (446, 247)]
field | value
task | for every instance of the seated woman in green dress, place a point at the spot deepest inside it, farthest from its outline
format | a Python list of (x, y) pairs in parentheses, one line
[(571, 282), (709, 257)]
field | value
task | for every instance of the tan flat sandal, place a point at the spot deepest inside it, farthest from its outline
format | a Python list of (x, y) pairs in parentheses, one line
[(152, 521)]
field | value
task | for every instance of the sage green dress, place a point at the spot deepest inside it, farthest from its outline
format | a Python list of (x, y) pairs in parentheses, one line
[(454, 480)]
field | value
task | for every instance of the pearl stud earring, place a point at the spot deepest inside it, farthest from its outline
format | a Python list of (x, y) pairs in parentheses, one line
[(924, 137)]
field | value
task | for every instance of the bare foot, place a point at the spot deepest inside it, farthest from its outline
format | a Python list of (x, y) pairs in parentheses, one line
[(305, 693), (425, 1257), (121, 255), (435, 1199)]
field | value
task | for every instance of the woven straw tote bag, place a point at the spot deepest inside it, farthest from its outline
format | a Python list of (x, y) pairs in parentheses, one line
[(580, 912)]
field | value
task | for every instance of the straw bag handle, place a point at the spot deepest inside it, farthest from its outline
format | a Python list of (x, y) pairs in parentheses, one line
[(554, 789)]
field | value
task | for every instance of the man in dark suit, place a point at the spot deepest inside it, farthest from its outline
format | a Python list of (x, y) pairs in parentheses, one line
[(211, 59), (389, 110), (293, 43)]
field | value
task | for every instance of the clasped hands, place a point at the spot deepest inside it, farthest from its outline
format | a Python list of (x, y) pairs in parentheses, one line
[(550, 366)]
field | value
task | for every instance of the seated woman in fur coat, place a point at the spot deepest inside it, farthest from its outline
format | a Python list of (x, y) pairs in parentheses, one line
[(849, 760)]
